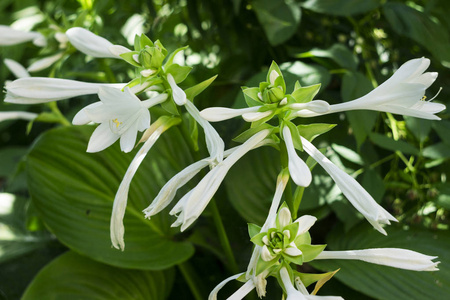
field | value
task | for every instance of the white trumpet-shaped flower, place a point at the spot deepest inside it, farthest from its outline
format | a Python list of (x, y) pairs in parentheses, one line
[(403, 93), (17, 115), (214, 142), (298, 169), (16, 68), (217, 114), (355, 193), (193, 203), (34, 90), (392, 257), (120, 114), (117, 229), (91, 44), (10, 36)]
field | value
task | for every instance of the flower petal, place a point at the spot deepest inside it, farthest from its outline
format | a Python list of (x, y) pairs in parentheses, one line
[(17, 69), (101, 138), (216, 114), (89, 43), (298, 169)]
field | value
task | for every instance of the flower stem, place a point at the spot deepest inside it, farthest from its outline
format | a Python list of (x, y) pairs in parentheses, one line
[(223, 238), (190, 277)]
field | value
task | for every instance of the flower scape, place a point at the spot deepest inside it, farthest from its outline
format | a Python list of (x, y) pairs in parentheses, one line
[(276, 117)]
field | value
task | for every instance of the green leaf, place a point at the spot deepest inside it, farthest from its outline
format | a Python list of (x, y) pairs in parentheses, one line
[(279, 19), (307, 74), (355, 85), (443, 198), (421, 27), (145, 41), (442, 128), (72, 276), (169, 60), (310, 251), (253, 229), (178, 72), (128, 57), (310, 278), (420, 128), (195, 90), (170, 107), (73, 191), (338, 52), (262, 265), (348, 154), (257, 239), (251, 96), (306, 94), (341, 7), (373, 183), (437, 151), (397, 284), (393, 145), (9, 159), (297, 141), (311, 131), (254, 130)]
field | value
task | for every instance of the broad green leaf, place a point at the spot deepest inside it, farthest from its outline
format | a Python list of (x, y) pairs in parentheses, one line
[(310, 251), (442, 128), (253, 229), (348, 154), (72, 276), (393, 145), (306, 94), (252, 197), (338, 52), (178, 72), (355, 85), (420, 128), (306, 74), (73, 191), (279, 19), (373, 183), (437, 151), (421, 27), (311, 131), (341, 7), (9, 158), (397, 284)]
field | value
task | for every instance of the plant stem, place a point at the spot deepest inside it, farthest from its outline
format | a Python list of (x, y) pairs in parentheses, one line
[(224, 241), (190, 277)]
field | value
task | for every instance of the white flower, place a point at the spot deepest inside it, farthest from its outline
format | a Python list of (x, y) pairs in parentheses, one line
[(45, 62), (217, 114), (294, 294), (298, 169), (91, 44), (354, 192), (36, 90), (403, 93), (121, 115), (17, 115), (214, 142), (10, 36), (392, 257), (193, 203), (17, 69), (117, 229)]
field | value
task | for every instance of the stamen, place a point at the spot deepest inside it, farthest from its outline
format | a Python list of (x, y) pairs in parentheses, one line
[(440, 89), (115, 121)]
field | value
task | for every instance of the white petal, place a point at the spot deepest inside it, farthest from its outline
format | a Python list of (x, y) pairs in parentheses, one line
[(81, 117), (120, 201), (317, 106), (179, 96), (155, 100), (216, 114), (117, 50), (10, 36), (17, 69), (255, 116), (305, 223), (266, 255), (242, 291), (271, 217), (355, 193), (292, 250), (284, 217), (89, 43), (45, 62), (17, 115), (128, 139), (393, 257), (292, 293), (101, 138), (273, 76), (298, 169)]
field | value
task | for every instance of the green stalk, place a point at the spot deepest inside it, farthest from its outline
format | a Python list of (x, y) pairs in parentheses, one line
[(223, 238), (191, 277)]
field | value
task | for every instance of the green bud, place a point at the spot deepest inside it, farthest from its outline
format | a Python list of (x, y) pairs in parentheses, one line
[(145, 58), (275, 94)]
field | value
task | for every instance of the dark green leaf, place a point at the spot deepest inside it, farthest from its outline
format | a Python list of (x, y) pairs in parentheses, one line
[(393, 145), (74, 190), (341, 7), (338, 52), (437, 151), (72, 276), (420, 128), (307, 74), (348, 154), (195, 90)]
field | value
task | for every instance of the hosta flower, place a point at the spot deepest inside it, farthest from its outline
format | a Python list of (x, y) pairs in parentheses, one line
[(36, 90), (120, 114), (10, 36), (16, 68), (91, 44), (403, 94), (392, 257), (355, 193), (191, 205), (298, 169), (45, 62)]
